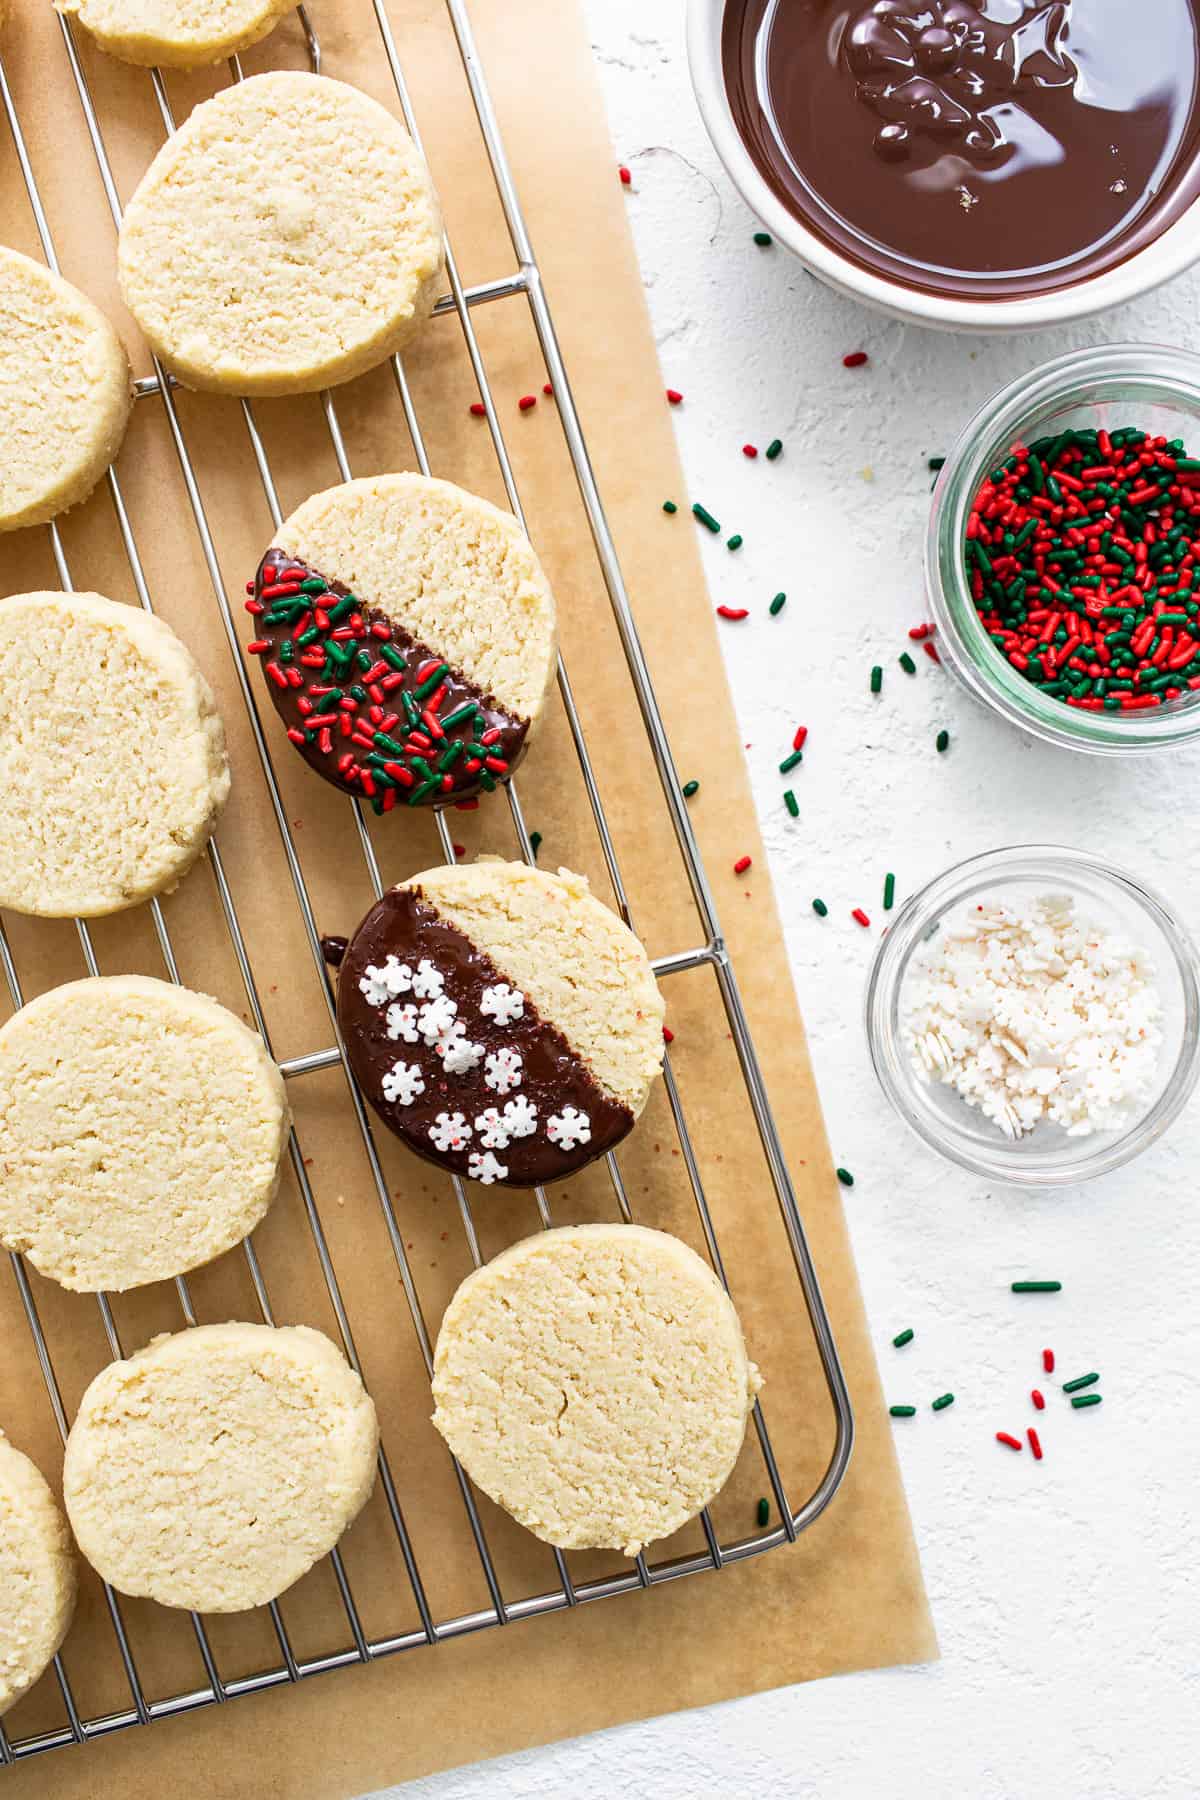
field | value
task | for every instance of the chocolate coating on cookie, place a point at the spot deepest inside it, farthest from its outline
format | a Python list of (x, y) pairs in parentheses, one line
[(459, 1063), (368, 706)]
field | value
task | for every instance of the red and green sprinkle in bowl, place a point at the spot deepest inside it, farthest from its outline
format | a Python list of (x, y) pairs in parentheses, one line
[(1063, 555)]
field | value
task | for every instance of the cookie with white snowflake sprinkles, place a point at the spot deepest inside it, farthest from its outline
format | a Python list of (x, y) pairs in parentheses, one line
[(407, 636), (502, 1021)]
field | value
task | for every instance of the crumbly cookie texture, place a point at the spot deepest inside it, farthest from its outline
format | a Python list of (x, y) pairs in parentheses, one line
[(213, 1469), (578, 962), (141, 1131), (65, 392), (285, 239), (112, 756), (178, 34), (37, 1575), (452, 569), (594, 1381)]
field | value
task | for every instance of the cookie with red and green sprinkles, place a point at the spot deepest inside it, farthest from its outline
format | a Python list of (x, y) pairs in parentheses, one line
[(407, 636)]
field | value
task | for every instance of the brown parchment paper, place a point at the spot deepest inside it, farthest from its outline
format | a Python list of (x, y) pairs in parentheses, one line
[(849, 1594)]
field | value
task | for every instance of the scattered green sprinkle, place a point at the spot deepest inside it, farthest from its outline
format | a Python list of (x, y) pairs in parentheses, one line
[(942, 1402), (789, 762), (773, 449), (763, 1511), (820, 908), (903, 1337), (902, 1412), (889, 892), (690, 788), (1037, 1287), (845, 1177), (942, 741), (777, 605), (1080, 1381), (762, 239), (535, 841), (937, 462), (670, 506), (1078, 1400), (906, 663), (791, 802), (705, 517), (735, 542), (876, 679)]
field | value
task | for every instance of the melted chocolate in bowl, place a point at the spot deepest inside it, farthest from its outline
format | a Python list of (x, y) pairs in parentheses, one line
[(981, 149)]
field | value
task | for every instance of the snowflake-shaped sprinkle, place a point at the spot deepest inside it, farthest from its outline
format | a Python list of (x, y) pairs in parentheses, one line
[(503, 1070), (380, 984), (502, 1003), (437, 1019), (449, 1131), (569, 1128), (402, 1023), (485, 1168), (520, 1117), (492, 1129), (459, 1055), (403, 1082), (428, 982)]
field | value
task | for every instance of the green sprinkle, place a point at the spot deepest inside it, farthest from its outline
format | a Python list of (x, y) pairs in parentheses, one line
[(762, 1511), (791, 802), (690, 788), (426, 787), (392, 656), (773, 449), (889, 892), (467, 710), (423, 769), (777, 605), (432, 681), (906, 663), (876, 679), (1037, 1287), (735, 542), (902, 1412), (535, 841), (343, 609), (789, 762), (763, 239), (1188, 465), (937, 462), (452, 750), (820, 908), (358, 692), (942, 1402), (313, 585), (942, 741), (412, 712), (1079, 1400), (903, 1337), (365, 660), (669, 506), (845, 1177), (287, 650), (1080, 1381), (308, 637), (388, 745), (705, 517)]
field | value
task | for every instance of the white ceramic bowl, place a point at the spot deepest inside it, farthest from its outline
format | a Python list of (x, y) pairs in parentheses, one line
[(1170, 253)]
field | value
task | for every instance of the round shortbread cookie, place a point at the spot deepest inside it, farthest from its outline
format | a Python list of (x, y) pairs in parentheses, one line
[(37, 1575), (112, 756), (141, 1131), (285, 239), (594, 1381), (212, 1469), (65, 393), (440, 593), (500, 1020), (178, 34)]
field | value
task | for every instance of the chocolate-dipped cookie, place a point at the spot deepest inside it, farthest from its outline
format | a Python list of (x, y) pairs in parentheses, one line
[(502, 1021), (407, 635)]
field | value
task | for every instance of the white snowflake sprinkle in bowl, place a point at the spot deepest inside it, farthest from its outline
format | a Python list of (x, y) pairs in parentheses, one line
[(991, 1073)]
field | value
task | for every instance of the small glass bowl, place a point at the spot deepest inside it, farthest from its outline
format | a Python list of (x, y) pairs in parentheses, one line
[(1047, 1156), (1155, 388)]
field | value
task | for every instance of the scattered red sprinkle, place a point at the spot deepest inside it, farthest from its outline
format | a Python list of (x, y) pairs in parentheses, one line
[(931, 651), (741, 865), (920, 631), (547, 387), (801, 734), (749, 449), (733, 612), (526, 401), (674, 396), (460, 850), (668, 1035), (465, 805), (626, 177), (478, 409), (1006, 1437), (855, 360), (1035, 1444), (860, 916), (1048, 1361), (1038, 1398)]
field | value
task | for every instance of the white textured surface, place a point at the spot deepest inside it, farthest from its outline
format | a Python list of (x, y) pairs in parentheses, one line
[(1064, 1592)]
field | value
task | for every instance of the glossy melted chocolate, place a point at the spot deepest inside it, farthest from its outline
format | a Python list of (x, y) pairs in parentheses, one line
[(404, 925), (980, 149)]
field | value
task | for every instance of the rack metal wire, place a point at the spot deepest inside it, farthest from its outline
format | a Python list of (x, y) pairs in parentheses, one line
[(525, 282)]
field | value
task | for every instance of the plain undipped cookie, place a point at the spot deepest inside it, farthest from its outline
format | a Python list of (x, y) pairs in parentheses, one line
[(141, 1131), (502, 1021), (441, 593), (112, 756), (213, 1469), (594, 1381), (178, 34), (65, 393), (285, 239), (37, 1575)]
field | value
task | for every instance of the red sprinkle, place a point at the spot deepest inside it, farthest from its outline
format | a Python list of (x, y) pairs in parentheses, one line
[(547, 387), (801, 734), (466, 805), (626, 177), (749, 449), (478, 409), (1006, 1437), (1048, 1361), (741, 865), (733, 612), (855, 360), (674, 396), (668, 1035), (1035, 1444), (860, 916), (526, 401), (931, 650), (1038, 1398), (460, 850), (920, 631)]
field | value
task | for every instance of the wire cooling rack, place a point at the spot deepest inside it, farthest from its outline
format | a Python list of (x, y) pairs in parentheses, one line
[(523, 286)]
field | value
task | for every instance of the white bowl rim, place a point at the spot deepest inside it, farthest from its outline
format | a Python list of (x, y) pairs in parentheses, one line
[(1162, 259)]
